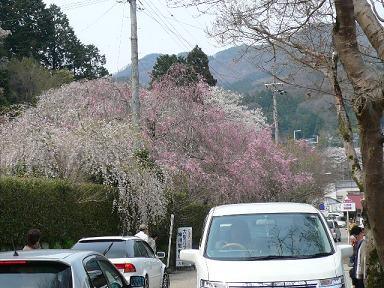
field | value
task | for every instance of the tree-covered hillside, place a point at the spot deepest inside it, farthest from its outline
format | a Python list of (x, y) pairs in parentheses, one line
[(41, 51)]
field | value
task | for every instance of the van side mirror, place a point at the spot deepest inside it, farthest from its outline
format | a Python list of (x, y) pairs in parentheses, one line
[(189, 255), (160, 255), (346, 250)]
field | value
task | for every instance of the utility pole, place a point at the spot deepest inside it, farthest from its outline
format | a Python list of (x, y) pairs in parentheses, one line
[(135, 101), (276, 88)]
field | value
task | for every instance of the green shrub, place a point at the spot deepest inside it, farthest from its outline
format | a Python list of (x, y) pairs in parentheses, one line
[(64, 212)]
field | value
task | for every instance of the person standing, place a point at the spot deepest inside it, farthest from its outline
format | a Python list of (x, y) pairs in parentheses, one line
[(33, 240), (152, 242), (143, 232), (357, 273)]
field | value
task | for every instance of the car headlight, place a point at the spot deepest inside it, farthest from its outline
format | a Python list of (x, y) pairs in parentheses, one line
[(337, 282), (212, 284)]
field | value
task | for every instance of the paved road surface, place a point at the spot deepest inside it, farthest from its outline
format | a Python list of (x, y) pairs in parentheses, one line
[(187, 278)]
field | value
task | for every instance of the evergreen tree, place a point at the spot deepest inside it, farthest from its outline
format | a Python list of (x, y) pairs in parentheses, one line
[(196, 61), (162, 65), (45, 34), (200, 63)]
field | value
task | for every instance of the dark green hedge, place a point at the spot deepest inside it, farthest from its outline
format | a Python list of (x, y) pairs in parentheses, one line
[(64, 212)]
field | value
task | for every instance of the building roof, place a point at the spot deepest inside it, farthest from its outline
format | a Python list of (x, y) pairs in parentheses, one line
[(357, 200)]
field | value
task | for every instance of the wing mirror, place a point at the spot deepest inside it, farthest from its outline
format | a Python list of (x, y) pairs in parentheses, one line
[(346, 250), (189, 255)]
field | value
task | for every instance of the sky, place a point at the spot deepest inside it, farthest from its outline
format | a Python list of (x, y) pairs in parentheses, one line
[(161, 29)]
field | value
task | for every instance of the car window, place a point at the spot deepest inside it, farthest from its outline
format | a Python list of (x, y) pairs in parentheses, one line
[(30, 274), (149, 250), (139, 249), (95, 273), (113, 276), (117, 250), (277, 235)]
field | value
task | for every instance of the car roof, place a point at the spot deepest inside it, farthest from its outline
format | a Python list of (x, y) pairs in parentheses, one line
[(108, 238), (63, 255), (255, 208)]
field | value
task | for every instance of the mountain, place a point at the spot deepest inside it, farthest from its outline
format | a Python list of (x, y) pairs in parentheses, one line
[(228, 67)]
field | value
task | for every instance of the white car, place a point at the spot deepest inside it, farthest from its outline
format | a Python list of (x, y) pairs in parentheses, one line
[(267, 245), (132, 256), (56, 268), (339, 218)]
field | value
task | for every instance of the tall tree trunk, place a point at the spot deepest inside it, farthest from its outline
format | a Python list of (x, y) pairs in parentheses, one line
[(345, 126), (368, 106)]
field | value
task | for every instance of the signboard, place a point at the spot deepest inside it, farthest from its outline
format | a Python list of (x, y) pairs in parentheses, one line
[(321, 207), (347, 200), (348, 206), (183, 241)]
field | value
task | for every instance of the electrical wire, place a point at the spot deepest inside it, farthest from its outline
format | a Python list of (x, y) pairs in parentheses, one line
[(99, 18), (120, 38)]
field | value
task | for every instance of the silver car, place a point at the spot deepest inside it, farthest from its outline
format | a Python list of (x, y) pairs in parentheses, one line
[(60, 269), (335, 230), (132, 256)]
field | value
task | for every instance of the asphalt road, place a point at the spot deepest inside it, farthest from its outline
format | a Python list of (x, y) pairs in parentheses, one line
[(187, 278)]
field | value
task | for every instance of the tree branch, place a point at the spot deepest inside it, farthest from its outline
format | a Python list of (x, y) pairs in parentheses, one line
[(370, 24)]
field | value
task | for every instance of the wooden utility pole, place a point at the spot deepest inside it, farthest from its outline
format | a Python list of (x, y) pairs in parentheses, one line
[(135, 101), (276, 88)]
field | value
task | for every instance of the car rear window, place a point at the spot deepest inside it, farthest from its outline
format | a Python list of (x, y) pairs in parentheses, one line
[(28, 274), (119, 248)]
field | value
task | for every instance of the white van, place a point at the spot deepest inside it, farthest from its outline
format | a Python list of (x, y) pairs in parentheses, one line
[(267, 245)]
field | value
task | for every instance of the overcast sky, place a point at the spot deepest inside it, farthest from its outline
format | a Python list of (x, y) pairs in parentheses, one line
[(161, 29)]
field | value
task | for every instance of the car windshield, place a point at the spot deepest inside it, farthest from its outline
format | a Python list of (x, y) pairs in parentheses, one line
[(35, 274), (117, 250), (267, 236)]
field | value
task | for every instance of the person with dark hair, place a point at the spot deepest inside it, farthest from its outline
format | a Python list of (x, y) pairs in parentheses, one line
[(33, 240), (357, 272)]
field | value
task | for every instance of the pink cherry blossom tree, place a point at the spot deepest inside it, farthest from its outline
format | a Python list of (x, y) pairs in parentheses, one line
[(227, 154)]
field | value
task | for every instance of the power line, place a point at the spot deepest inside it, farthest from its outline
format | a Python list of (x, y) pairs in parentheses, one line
[(121, 32), (81, 4), (99, 18)]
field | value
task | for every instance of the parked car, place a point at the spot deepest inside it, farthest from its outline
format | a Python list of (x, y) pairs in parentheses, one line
[(268, 244), (60, 269), (132, 256), (339, 218), (335, 230)]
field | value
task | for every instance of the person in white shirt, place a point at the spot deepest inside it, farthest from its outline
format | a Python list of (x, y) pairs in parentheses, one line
[(143, 232)]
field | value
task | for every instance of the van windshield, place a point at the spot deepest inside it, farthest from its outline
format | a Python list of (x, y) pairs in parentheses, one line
[(267, 236)]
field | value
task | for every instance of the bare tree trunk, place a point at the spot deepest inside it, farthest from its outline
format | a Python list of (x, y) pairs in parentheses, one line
[(368, 105), (345, 127)]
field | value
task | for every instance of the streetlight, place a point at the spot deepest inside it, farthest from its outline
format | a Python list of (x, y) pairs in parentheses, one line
[(294, 134)]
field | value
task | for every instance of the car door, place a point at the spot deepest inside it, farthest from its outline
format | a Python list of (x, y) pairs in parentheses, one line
[(96, 276), (142, 258), (157, 265), (113, 276)]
